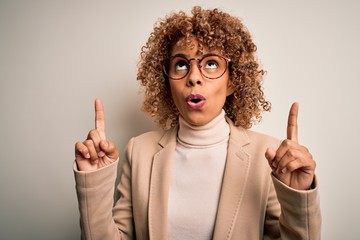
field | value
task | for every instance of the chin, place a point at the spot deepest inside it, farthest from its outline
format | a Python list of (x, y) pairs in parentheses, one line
[(197, 121)]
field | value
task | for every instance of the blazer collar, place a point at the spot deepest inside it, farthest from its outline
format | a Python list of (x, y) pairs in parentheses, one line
[(238, 134), (159, 186), (234, 182)]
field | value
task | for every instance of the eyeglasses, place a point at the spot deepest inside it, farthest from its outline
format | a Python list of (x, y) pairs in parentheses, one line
[(211, 66)]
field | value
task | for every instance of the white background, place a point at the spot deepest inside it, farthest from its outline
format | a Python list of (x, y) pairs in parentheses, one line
[(56, 57)]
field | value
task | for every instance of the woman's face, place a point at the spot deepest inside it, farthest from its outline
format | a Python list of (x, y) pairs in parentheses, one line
[(198, 99)]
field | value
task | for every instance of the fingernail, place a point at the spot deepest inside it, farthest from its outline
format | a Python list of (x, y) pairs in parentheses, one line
[(96, 161), (87, 155), (284, 170), (274, 164), (101, 154)]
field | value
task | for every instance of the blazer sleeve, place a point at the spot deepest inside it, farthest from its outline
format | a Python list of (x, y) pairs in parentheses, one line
[(95, 192), (300, 216)]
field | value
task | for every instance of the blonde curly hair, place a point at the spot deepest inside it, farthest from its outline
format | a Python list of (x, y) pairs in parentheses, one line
[(215, 30)]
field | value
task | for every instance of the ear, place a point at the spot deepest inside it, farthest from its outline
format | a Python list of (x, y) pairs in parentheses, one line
[(230, 90)]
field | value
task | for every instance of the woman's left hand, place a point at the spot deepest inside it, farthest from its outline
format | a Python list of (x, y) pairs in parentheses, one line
[(292, 163)]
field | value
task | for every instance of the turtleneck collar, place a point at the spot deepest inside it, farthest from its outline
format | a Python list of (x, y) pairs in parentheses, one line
[(213, 133)]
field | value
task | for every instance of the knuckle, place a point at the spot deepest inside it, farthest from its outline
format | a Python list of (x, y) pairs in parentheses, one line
[(287, 143), (92, 133), (290, 166), (78, 145), (306, 150), (88, 142), (291, 153)]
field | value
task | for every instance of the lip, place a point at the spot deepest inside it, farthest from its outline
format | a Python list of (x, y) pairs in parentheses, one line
[(199, 103)]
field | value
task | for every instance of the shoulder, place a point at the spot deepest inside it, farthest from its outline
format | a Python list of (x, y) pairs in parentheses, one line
[(258, 136), (247, 136), (152, 140), (254, 141), (156, 136), (141, 149), (150, 136)]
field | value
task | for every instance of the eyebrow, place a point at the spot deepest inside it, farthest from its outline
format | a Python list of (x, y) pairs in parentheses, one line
[(181, 55), (187, 56)]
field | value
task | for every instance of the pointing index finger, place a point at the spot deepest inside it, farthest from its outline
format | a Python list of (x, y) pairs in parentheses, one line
[(292, 127), (100, 118)]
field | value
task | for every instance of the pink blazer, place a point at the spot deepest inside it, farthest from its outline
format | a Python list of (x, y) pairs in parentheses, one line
[(253, 203)]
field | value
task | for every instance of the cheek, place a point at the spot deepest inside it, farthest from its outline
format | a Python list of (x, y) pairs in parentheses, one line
[(221, 94), (172, 91), (175, 95), (223, 91)]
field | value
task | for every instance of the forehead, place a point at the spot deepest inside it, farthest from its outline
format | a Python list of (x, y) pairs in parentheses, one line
[(185, 45), (190, 47)]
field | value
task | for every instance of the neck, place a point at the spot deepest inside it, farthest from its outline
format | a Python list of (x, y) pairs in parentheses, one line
[(213, 133)]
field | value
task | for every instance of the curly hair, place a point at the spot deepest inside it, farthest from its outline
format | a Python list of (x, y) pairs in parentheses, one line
[(215, 30)]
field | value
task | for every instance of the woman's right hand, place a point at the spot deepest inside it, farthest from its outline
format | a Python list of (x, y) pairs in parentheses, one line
[(96, 152)]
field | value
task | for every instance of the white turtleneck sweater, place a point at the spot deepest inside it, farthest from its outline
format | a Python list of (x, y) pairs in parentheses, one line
[(197, 173)]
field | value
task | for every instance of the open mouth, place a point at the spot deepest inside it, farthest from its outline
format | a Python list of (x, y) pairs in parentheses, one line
[(195, 98), (195, 101)]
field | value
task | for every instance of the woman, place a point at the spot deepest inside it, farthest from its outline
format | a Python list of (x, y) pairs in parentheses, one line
[(205, 175)]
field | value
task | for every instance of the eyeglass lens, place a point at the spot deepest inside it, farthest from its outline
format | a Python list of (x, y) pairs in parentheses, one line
[(211, 66)]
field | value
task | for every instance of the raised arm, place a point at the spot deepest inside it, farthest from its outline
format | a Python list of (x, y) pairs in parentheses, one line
[(292, 163), (96, 151)]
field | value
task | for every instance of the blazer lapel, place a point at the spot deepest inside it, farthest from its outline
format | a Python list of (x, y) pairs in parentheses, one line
[(234, 182), (159, 186)]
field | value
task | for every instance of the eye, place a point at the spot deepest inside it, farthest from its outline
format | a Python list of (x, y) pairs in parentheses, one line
[(181, 65), (211, 64)]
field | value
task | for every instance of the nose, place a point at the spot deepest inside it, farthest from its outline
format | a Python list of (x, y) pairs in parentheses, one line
[(195, 77)]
